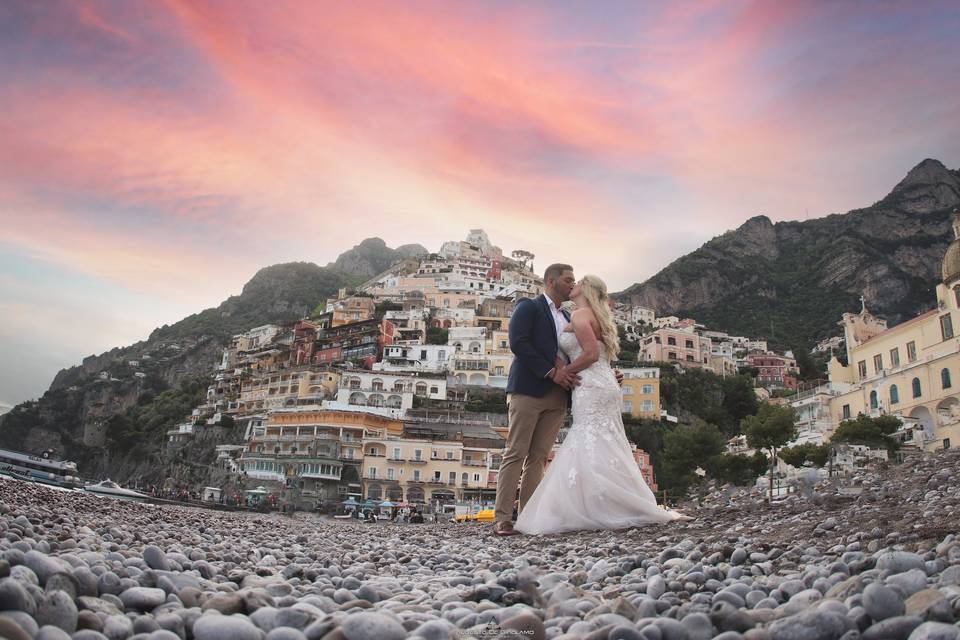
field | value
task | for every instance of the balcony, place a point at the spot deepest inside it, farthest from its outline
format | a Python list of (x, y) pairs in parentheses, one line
[(474, 463), (418, 461), (349, 459), (375, 455), (396, 460)]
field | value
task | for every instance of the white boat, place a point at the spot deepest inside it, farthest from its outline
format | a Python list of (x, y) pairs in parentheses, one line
[(23, 466), (110, 488)]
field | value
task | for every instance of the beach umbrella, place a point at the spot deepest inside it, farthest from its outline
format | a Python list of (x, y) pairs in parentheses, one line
[(386, 503), (350, 502)]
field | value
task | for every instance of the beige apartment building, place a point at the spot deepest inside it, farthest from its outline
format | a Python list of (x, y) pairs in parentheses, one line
[(431, 463), (908, 370), (305, 453), (683, 346)]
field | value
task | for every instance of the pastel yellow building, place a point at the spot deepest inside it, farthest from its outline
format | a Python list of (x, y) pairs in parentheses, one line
[(907, 370), (641, 392)]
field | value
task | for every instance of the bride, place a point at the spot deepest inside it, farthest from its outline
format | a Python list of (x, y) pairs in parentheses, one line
[(594, 481)]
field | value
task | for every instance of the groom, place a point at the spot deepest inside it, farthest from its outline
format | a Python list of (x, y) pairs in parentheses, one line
[(537, 392)]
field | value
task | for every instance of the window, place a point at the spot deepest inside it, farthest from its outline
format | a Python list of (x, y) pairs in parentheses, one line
[(689, 344), (894, 395), (434, 390), (373, 472), (946, 443), (689, 358), (671, 341), (646, 389), (627, 406), (911, 351), (416, 475), (396, 453), (672, 355), (946, 327), (873, 400), (945, 378), (449, 455), (626, 390), (646, 406), (878, 363), (916, 387), (846, 412), (862, 368), (476, 477), (453, 477), (390, 474), (423, 354), (895, 357), (418, 454), (436, 476)]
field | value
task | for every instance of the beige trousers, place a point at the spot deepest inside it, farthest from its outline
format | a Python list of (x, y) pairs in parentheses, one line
[(534, 424)]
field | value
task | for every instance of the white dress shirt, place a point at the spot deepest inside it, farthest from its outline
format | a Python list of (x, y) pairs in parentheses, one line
[(559, 320)]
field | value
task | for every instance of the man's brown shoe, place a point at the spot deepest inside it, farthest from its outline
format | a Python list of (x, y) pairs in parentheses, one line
[(505, 528)]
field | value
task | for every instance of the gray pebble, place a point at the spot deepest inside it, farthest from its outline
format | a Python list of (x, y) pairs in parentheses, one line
[(882, 602)]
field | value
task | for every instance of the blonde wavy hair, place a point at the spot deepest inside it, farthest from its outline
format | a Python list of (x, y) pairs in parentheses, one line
[(595, 291)]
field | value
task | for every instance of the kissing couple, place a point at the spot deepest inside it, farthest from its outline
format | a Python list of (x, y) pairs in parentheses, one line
[(561, 360)]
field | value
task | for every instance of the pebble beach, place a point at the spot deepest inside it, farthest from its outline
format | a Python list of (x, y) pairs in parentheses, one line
[(881, 561)]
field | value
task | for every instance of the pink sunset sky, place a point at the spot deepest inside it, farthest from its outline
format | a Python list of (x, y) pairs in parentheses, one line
[(155, 154)]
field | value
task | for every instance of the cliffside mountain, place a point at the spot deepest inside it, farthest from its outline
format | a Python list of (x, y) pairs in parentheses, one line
[(791, 281), (373, 256), (77, 414)]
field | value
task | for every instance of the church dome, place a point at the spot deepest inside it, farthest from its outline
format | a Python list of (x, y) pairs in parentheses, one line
[(951, 259)]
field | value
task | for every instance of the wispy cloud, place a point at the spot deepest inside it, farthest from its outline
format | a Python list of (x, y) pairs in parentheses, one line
[(174, 147)]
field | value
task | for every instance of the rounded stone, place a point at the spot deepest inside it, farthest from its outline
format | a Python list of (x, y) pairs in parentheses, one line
[(656, 587), (50, 632), (143, 598), (59, 610), (739, 556), (882, 602), (898, 628), (900, 561), (155, 558), (698, 626), (935, 631), (286, 633), (10, 630), (220, 627), (361, 626), (14, 596)]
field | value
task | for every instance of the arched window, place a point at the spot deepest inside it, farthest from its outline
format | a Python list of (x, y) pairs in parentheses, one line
[(377, 384), (894, 395), (916, 387), (945, 378), (873, 400)]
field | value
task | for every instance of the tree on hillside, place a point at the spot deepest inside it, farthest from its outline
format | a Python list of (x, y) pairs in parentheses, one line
[(739, 399), (687, 447), (524, 257), (772, 428), (875, 432), (810, 368), (797, 456), (737, 468)]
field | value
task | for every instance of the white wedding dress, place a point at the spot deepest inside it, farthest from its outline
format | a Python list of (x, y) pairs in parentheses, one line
[(594, 481)]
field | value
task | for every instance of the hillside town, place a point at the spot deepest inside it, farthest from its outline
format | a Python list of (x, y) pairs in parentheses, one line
[(392, 392)]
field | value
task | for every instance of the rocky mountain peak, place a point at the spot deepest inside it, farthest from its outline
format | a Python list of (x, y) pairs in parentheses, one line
[(756, 237), (373, 256), (929, 186)]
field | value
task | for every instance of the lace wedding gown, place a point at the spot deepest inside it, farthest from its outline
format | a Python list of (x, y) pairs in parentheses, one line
[(594, 481)]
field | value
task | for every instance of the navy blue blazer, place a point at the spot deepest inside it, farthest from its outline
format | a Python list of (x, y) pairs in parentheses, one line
[(533, 340)]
